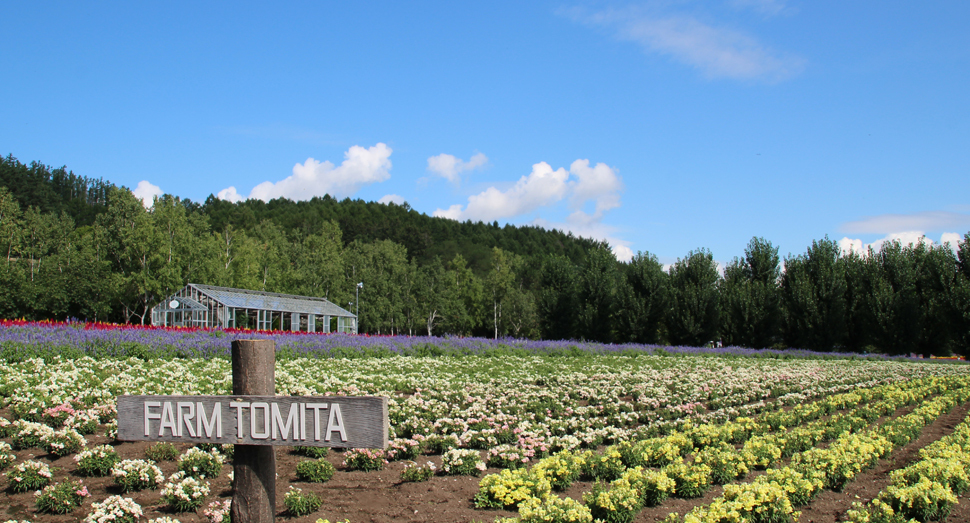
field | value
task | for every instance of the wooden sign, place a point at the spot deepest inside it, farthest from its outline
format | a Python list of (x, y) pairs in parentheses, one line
[(312, 421)]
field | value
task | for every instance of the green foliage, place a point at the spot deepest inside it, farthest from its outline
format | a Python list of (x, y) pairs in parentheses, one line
[(813, 289), (162, 451), (694, 316), (84, 248), (299, 503), (750, 298), (314, 471)]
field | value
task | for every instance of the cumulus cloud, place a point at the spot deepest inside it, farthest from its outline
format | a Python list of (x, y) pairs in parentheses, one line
[(717, 52), (586, 225), (951, 238), (922, 221), (542, 187), (858, 246), (545, 187), (361, 166), (146, 192), (450, 167), (391, 198), (599, 183)]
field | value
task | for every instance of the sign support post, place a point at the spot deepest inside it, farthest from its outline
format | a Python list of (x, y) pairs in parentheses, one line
[(254, 466)]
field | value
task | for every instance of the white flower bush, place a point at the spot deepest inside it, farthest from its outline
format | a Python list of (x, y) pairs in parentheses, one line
[(184, 493), (115, 509), (462, 462), (137, 474)]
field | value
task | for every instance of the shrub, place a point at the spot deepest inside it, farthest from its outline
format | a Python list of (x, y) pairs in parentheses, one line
[(85, 422), (218, 511), (553, 509), (314, 471), (97, 461), (924, 501), (801, 488), (364, 459), (604, 467), (692, 481), (951, 474), (312, 452), (403, 449), (184, 493), (653, 486), (509, 488), (726, 463), (6, 457), (414, 473), (162, 451), (115, 509), (440, 443), (507, 457), (200, 464), (299, 503), (64, 442), (137, 474), (29, 475), (764, 450), (28, 434), (462, 462), (617, 504), (562, 469), (61, 498), (56, 416)]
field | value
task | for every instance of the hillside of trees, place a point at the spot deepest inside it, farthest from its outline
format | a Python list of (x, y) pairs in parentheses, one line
[(77, 247)]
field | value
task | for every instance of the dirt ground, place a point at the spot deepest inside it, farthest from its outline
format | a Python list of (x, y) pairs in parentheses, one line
[(381, 497)]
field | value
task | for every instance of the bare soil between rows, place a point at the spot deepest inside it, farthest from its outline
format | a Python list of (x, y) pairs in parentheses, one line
[(380, 496)]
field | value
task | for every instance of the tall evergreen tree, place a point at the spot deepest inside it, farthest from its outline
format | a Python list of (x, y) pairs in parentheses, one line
[(813, 289), (750, 297), (645, 301), (694, 317)]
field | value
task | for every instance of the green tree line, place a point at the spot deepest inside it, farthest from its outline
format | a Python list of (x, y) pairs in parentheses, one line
[(83, 248)]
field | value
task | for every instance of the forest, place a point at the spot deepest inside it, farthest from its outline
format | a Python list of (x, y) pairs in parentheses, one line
[(83, 248)]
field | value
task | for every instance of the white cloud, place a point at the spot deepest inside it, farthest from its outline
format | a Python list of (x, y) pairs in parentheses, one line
[(230, 195), (313, 178), (450, 167), (599, 183), (391, 198), (765, 7), (952, 238), (922, 221), (904, 238), (717, 52), (544, 188), (146, 192)]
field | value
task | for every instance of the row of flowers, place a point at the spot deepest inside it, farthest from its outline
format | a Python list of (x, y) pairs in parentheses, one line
[(527, 402), (775, 495), (715, 461), (925, 490)]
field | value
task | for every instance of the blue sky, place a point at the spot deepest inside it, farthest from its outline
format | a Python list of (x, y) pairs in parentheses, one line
[(660, 126)]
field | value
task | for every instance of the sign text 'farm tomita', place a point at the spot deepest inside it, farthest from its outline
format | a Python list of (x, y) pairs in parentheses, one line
[(312, 421)]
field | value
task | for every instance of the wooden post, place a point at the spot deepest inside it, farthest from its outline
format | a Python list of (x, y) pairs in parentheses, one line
[(254, 466)]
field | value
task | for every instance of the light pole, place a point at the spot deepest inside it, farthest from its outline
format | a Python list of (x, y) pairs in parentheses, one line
[(360, 285)]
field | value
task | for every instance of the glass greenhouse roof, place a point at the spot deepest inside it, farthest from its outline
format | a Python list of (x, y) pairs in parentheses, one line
[(270, 301)]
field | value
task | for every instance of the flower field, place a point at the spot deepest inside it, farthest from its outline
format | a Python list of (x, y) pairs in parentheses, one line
[(484, 431)]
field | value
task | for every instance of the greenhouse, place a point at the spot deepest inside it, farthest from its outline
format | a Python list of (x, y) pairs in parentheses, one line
[(209, 306)]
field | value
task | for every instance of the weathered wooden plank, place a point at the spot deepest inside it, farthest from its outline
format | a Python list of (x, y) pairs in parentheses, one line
[(317, 421), (253, 466)]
